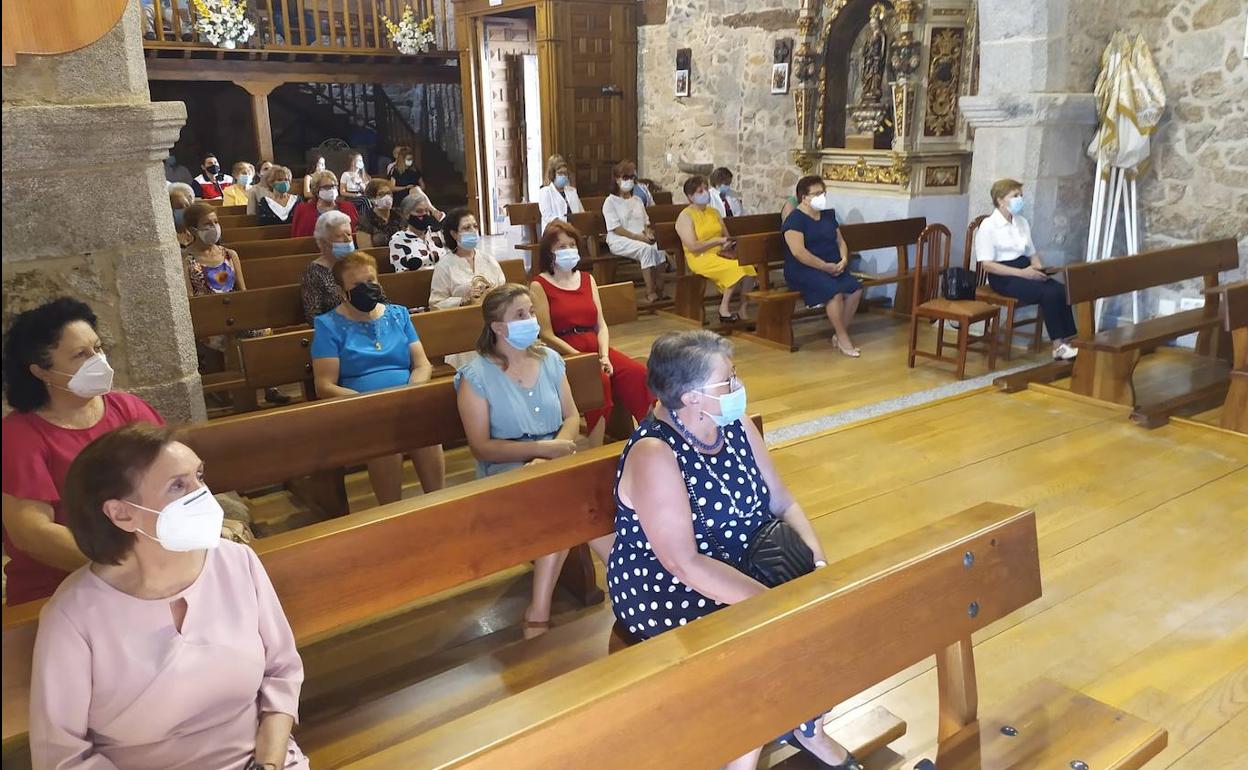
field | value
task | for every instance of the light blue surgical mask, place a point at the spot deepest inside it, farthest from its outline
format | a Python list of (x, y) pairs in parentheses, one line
[(561, 181), (469, 241), (567, 259), (523, 333), (724, 189), (1016, 205), (731, 405), (701, 198), (244, 179), (178, 215), (341, 250)]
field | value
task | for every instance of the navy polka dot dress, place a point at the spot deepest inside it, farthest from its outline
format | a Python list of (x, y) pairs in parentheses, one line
[(728, 500)]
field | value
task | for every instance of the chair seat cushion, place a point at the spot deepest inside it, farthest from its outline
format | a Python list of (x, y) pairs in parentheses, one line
[(961, 308)]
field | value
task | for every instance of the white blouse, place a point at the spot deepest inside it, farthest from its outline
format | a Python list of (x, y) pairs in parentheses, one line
[(1000, 241), (553, 206), (628, 213), (453, 278)]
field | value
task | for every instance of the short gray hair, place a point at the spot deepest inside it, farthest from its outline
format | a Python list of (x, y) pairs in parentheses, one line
[(184, 189), (327, 220), (414, 198), (681, 362)]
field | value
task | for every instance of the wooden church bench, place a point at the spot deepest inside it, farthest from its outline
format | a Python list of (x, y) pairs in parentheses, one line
[(286, 357), (256, 233), (1233, 306), (280, 247), (594, 252), (228, 221), (337, 575), (526, 216), (665, 212), (226, 210), (689, 698), (662, 198), (1107, 359), (593, 202), (266, 272)]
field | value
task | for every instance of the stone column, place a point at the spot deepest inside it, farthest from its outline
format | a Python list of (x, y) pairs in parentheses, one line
[(1033, 119), (86, 213)]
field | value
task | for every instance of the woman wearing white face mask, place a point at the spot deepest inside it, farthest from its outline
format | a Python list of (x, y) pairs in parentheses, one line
[(58, 381), (517, 408), (379, 220), (353, 181), (325, 190), (817, 261), (628, 229), (696, 488), (170, 648), (557, 198), (570, 313), (464, 274)]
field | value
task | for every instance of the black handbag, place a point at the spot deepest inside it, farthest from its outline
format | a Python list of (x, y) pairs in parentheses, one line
[(958, 283)]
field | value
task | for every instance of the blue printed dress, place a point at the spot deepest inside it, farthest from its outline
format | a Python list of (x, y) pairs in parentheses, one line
[(729, 500)]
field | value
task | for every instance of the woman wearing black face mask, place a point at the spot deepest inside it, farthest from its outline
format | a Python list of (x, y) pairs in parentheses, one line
[(364, 345), (419, 245)]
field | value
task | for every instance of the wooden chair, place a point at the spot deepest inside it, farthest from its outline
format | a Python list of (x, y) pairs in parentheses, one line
[(527, 216), (662, 198), (1107, 360), (931, 260), (594, 252), (593, 202), (1009, 304), (1233, 301), (665, 212)]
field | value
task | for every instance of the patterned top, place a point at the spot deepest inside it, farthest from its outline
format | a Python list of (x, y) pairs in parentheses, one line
[(211, 280), (411, 251), (380, 230), (728, 500)]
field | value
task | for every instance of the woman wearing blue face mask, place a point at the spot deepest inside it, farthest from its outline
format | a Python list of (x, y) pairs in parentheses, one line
[(708, 249), (170, 647), (517, 408), (557, 198), (1004, 250), (723, 198), (321, 292), (695, 488), (465, 273)]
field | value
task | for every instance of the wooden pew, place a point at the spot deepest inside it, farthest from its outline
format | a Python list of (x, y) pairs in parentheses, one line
[(335, 595), (257, 233), (593, 202), (662, 197), (274, 248), (689, 698), (266, 272), (526, 216), (666, 212), (765, 251), (1107, 360), (594, 252), (226, 210), (1233, 304), (234, 221), (286, 358)]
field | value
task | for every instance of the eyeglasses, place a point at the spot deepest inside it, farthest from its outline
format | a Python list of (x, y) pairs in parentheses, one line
[(734, 383)]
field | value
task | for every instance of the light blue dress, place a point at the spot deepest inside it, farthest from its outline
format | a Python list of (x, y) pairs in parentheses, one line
[(516, 413), (372, 355)]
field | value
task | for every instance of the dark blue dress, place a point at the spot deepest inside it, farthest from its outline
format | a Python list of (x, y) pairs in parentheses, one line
[(816, 286), (729, 500)]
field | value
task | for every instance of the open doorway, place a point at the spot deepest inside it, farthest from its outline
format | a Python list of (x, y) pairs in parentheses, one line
[(511, 113)]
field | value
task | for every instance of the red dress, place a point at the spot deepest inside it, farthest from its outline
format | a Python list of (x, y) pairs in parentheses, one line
[(303, 220), (574, 318)]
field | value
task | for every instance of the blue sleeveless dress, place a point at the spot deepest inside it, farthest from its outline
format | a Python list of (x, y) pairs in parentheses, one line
[(729, 500)]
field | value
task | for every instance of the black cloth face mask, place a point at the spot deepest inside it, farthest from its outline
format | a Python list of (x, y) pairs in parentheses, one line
[(365, 296), (425, 222)]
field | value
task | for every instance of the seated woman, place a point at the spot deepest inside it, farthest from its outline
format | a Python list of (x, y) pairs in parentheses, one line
[(675, 553), (325, 185), (364, 345), (169, 648), (315, 167), (570, 313), (702, 233), (628, 229), (210, 267), (465, 274), (354, 180), (277, 205), (319, 289), (236, 194), (816, 261), (557, 198), (420, 244), (1004, 250), (261, 187), (378, 219), (59, 384), (404, 176), (516, 406), (181, 196)]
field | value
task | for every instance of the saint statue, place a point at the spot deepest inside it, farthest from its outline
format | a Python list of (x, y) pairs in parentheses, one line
[(874, 55)]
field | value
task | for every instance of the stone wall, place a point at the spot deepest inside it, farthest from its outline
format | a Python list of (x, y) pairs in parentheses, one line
[(731, 117), (86, 213)]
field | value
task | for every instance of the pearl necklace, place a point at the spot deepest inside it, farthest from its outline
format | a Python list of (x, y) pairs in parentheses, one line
[(698, 443)]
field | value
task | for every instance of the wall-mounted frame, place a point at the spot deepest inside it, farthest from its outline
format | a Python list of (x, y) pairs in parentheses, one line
[(781, 59), (684, 73)]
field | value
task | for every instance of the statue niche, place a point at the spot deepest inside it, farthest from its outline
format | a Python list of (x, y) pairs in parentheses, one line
[(857, 96)]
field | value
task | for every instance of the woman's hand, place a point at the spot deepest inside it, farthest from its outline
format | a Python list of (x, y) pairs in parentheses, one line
[(648, 235), (556, 447), (1032, 274), (605, 360)]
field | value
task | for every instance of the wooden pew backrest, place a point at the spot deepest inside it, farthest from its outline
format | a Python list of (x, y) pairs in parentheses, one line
[(236, 311), (665, 212), (619, 303), (266, 272), (895, 233), (1234, 305), (274, 248), (1090, 281), (662, 197), (906, 599), (751, 224), (257, 233)]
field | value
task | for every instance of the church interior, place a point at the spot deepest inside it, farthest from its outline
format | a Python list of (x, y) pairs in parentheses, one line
[(879, 360)]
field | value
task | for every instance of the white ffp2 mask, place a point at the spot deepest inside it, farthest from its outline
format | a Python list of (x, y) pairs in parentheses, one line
[(93, 378), (190, 523)]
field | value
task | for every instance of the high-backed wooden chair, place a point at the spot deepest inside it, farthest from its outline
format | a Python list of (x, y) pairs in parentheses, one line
[(593, 203), (1009, 304), (662, 198), (527, 216), (931, 260)]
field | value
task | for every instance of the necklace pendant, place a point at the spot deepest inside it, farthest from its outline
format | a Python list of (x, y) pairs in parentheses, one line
[(377, 344)]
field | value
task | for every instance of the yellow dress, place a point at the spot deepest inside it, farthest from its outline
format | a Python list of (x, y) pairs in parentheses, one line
[(234, 195), (725, 273)]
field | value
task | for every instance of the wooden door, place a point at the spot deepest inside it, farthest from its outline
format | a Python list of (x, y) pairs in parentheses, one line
[(594, 49), (507, 40)]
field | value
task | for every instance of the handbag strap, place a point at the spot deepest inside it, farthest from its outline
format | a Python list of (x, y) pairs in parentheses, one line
[(693, 497)]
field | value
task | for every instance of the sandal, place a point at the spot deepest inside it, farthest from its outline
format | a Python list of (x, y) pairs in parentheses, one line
[(729, 319), (852, 352), (537, 627), (850, 762)]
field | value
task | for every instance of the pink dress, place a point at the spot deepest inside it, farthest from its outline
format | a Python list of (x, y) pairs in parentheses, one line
[(115, 685)]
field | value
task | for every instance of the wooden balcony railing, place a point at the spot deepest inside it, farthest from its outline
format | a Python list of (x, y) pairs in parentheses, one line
[(300, 26)]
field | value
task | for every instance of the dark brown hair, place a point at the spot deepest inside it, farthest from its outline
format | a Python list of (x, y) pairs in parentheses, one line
[(109, 468), (692, 184), (546, 246), (354, 259), (196, 214), (805, 183), (622, 169), (720, 175)]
